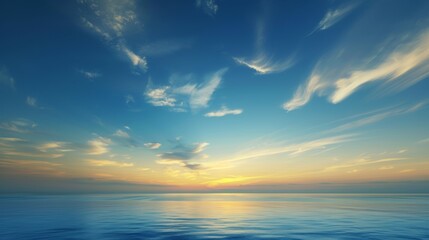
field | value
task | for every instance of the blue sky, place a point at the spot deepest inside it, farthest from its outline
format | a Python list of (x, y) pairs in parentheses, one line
[(208, 95)]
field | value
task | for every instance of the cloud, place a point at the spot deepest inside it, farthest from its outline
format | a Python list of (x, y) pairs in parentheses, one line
[(124, 137), (386, 168), (129, 99), (122, 134), (407, 170), (20, 125), (5, 78), (262, 62), (202, 94), (111, 20), (304, 93), (32, 154), (190, 94), (9, 139), (91, 75), (361, 162), (135, 59), (108, 163), (334, 16), (409, 57), (160, 97), (223, 112), (403, 64), (264, 65), (99, 146), (32, 102), (209, 6), (292, 149), (152, 145), (182, 154), (54, 146), (376, 116)]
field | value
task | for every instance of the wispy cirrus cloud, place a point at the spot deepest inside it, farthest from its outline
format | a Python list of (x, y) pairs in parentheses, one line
[(152, 145), (400, 65), (55, 146), (19, 125), (5, 78), (376, 116), (91, 75), (111, 20), (291, 149), (98, 146), (223, 112), (121, 133), (160, 97), (32, 102), (32, 154), (333, 16), (264, 65), (129, 99), (262, 62), (189, 95), (108, 163), (209, 6), (361, 162)]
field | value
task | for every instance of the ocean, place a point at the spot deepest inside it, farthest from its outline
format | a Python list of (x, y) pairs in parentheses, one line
[(214, 216)]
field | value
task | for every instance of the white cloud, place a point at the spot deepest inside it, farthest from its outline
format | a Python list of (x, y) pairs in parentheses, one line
[(99, 146), (152, 145), (122, 134), (10, 139), (129, 99), (223, 112), (202, 94), (159, 97), (209, 6), (304, 93), (55, 146), (199, 147), (376, 116), (193, 95), (361, 162), (111, 20), (406, 58), (19, 125), (407, 170), (32, 102), (403, 64), (135, 59), (5, 78), (334, 16), (293, 149), (264, 65), (108, 163), (91, 75)]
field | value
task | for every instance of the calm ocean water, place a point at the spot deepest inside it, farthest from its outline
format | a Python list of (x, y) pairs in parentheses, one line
[(215, 216)]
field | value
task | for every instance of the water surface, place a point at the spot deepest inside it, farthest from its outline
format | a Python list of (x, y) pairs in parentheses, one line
[(215, 216)]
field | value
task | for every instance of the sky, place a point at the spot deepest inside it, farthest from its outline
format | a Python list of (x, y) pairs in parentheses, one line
[(214, 96)]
